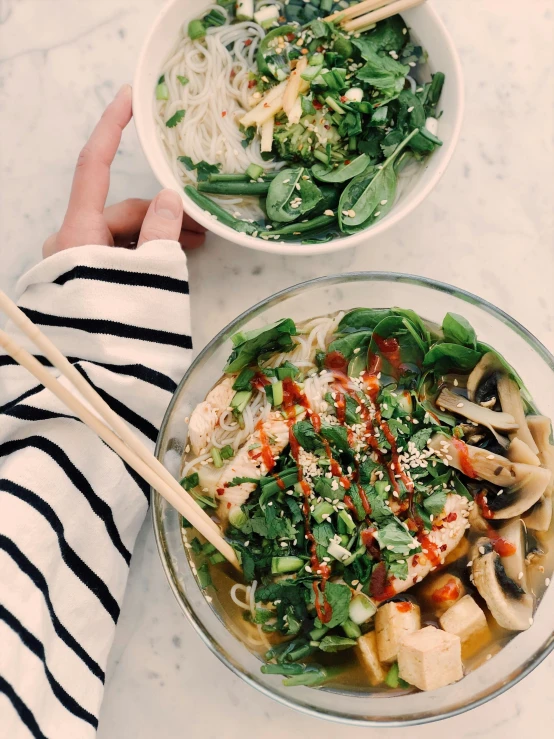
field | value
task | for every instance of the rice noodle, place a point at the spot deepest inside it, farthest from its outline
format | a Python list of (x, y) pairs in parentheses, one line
[(214, 98)]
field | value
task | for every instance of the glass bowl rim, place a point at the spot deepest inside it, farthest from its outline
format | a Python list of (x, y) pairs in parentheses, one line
[(186, 607)]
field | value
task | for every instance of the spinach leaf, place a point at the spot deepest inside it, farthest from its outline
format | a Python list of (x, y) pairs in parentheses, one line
[(362, 319), (370, 195), (343, 172), (444, 357), (410, 344), (244, 379), (435, 503), (290, 195), (347, 344), (254, 345), (458, 330), (338, 596)]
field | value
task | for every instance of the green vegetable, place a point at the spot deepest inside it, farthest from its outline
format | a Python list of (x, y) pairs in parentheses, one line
[(361, 609), (322, 511), (253, 345), (299, 228), (237, 517), (281, 565), (244, 380), (370, 195), (444, 357), (196, 30), (162, 90), (204, 170), (204, 577), (351, 629), (392, 678), (336, 643), (191, 481), (458, 330), (435, 503), (213, 18), (343, 172), (216, 457), (348, 521), (394, 536), (175, 119), (254, 171), (183, 80), (268, 60), (240, 400), (338, 596), (291, 196), (234, 188)]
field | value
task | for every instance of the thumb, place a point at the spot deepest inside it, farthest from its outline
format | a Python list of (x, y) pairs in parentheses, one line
[(163, 218)]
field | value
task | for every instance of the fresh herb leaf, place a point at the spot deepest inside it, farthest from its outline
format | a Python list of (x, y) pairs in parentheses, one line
[(336, 643), (337, 436), (323, 533), (175, 119), (204, 577), (420, 438), (183, 80), (306, 436), (435, 503), (191, 481), (338, 596), (395, 536), (239, 480)]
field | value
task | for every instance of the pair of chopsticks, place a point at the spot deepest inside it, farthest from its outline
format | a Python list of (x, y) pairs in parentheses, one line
[(109, 427), (362, 16)]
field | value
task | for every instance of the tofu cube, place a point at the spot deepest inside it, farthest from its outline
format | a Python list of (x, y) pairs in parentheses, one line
[(368, 656), (443, 591), (430, 658), (392, 622), (465, 619)]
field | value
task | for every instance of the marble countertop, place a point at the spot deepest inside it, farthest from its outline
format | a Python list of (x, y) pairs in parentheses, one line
[(487, 227)]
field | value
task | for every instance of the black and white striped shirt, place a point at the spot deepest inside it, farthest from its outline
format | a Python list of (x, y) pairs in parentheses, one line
[(70, 509)]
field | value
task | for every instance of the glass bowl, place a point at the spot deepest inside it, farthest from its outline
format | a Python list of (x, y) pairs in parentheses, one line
[(317, 297)]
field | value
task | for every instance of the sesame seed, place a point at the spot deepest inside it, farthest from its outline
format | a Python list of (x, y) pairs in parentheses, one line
[(461, 405)]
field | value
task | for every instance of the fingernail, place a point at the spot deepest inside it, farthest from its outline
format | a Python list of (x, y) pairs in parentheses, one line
[(169, 205)]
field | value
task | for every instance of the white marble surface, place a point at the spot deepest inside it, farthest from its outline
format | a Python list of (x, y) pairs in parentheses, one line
[(487, 227)]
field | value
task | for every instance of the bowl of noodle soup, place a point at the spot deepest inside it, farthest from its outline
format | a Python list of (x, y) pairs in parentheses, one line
[(218, 71), (217, 610)]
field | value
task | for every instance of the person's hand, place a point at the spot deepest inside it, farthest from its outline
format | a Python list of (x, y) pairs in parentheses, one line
[(133, 221)]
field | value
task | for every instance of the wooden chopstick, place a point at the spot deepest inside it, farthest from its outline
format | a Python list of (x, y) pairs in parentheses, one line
[(144, 462), (354, 10), (378, 15), (57, 359)]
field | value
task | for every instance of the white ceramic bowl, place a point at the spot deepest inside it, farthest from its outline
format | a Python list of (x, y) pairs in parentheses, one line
[(426, 27)]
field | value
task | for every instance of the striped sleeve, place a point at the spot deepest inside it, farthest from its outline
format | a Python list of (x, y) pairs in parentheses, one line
[(70, 509)]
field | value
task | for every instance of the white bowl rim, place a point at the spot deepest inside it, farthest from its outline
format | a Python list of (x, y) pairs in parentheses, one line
[(297, 248)]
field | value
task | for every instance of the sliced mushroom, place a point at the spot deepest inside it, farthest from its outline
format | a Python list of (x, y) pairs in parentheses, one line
[(477, 413), (509, 604), (485, 368), (511, 402), (539, 516), (521, 484), (540, 428), (518, 451), (476, 520), (510, 545)]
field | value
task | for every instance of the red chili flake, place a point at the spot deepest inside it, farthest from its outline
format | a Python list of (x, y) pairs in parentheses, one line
[(320, 49), (317, 105), (233, 74), (343, 98), (252, 83), (248, 42), (223, 113), (327, 126), (220, 491), (451, 517), (443, 548), (347, 161), (290, 36)]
